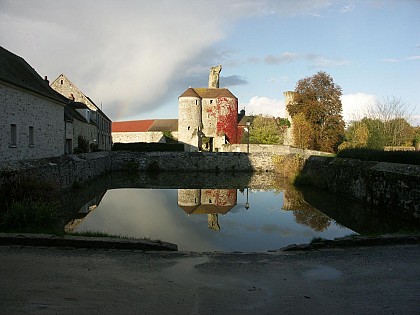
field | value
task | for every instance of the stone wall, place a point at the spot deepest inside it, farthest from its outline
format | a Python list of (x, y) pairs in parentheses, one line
[(149, 137), (269, 148), (66, 170), (383, 185), (26, 110)]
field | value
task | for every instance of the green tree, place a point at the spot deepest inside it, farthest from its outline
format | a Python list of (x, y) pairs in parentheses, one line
[(318, 98), (264, 130)]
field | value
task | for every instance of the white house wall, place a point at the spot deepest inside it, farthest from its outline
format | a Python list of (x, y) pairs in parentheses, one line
[(25, 110)]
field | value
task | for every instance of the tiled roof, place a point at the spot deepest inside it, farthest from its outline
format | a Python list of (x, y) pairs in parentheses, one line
[(164, 125), (189, 93), (16, 71), (207, 93), (132, 126)]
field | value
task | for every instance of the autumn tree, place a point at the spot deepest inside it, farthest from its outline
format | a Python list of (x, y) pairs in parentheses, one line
[(318, 99), (301, 131)]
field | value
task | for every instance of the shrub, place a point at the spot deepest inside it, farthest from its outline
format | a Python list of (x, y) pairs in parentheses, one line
[(31, 216), (403, 157)]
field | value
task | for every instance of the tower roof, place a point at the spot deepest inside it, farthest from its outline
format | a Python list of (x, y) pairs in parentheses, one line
[(189, 93), (207, 93)]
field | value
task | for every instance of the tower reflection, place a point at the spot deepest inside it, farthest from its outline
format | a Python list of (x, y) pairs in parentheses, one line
[(207, 201)]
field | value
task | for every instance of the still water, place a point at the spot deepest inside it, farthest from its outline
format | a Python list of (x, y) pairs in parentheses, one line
[(211, 220), (257, 213)]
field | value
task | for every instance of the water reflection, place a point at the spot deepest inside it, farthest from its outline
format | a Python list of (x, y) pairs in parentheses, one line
[(218, 213), (211, 202)]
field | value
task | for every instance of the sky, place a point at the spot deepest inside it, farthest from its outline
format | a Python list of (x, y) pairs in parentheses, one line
[(135, 58)]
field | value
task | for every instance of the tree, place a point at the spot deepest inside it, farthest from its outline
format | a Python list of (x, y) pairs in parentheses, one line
[(318, 99), (390, 118), (264, 130), (301, 131)]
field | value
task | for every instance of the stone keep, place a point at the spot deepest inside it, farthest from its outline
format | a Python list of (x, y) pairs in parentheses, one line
[(207, 117)]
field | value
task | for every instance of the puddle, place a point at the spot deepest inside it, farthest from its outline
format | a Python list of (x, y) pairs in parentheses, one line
[(323, 273), (184, 272)]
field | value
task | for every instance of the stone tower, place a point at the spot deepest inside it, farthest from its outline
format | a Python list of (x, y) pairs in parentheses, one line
[(214, 76), (189, 120), (288, 137)]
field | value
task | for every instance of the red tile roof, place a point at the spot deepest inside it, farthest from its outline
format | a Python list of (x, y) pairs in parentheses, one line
[(132, 126)]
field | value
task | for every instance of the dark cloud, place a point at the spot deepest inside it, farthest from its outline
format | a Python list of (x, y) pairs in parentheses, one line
[(232, 80)]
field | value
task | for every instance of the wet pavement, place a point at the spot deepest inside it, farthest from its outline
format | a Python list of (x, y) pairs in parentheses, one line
[(65, 280)]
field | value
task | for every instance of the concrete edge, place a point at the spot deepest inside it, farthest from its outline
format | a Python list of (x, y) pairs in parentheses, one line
[(355, 241), (47, 240)]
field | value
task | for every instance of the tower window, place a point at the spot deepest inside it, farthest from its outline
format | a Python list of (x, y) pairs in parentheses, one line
[(13, 135), (196, 102), (61, 82), (31, 136), (188, 127)]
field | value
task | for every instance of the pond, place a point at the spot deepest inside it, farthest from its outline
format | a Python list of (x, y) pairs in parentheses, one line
[(217, 213)]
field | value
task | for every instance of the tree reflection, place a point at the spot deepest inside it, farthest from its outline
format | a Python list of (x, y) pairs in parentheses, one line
[(303, 212)]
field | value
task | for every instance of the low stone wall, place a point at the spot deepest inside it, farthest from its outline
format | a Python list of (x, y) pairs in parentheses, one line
[(68, 170), (383, 185), (269, 148)]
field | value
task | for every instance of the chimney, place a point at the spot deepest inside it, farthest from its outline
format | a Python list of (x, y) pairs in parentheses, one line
[(46, 80)]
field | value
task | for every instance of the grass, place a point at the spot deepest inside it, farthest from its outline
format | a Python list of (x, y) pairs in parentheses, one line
[(30, 216), (100, 234)]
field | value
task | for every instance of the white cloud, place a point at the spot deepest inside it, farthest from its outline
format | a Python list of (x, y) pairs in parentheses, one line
[(347, 8), (414, 120), (355, 105), (317, 61), (264, 106), (413, 58), (134, 55)]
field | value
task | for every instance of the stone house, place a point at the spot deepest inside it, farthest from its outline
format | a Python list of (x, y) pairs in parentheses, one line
[(32, 114), (101, 138), (79, 127), (152, 130)]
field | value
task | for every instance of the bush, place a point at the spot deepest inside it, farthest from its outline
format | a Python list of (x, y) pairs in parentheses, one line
[(31, 216), (403, 157)]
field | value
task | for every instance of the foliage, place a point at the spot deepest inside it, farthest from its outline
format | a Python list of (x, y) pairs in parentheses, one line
[(82, 145), (25, 203), (376, 134), (288, 165), (318, 99), (264, 130), (301, 131), (390, 114), (31, 216), (169, 137), (403, 157)]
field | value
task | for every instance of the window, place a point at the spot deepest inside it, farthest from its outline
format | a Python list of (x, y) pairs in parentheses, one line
[(211, 101), (13, 135), (61, 82), (31, 136)]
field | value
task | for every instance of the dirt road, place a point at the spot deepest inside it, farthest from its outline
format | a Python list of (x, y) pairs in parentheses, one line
[(369, 280)]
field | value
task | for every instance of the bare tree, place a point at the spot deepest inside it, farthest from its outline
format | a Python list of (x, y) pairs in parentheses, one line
[(391, 115)]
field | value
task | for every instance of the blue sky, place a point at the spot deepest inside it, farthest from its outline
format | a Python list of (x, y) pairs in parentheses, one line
[(136, 57)]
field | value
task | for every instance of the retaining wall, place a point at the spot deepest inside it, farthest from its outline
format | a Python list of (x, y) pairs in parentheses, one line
[(67, 170), (383, 185)]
